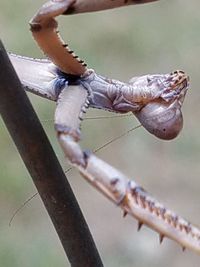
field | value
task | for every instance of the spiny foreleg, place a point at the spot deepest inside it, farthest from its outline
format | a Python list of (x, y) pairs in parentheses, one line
[(44, 30), (81, 6), (125, 193), (38, 76)]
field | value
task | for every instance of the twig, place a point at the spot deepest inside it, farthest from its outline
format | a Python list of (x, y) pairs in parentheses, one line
[(44, 168)]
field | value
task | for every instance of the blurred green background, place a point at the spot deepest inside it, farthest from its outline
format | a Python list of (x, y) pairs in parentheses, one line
[(152, 38)]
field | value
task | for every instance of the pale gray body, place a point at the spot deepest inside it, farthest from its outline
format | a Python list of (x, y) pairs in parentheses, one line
[(156, 100)]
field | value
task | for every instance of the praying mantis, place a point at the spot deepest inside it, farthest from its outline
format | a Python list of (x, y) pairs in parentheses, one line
[(67, 80)]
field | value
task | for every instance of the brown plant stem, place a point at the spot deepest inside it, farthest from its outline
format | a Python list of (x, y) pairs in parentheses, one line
[(44, 168)]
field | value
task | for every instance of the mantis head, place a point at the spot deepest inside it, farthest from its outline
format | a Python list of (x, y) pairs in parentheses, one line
[(162, 116)]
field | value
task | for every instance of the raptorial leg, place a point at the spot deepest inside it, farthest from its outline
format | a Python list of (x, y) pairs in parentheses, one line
[(38, 76), (81, 6), (71, 106), (43, 27), (111, 182)]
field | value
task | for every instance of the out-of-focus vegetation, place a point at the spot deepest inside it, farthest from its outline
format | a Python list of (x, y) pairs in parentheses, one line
[(152, 38)]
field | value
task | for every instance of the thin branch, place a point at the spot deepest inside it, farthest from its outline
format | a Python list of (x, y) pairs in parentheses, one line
[(44, 168)]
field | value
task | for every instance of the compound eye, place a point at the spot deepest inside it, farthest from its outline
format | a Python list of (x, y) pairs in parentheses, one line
[(149, 80)]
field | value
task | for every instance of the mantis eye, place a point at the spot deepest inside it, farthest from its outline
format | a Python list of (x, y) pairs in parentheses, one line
[(161, 119)]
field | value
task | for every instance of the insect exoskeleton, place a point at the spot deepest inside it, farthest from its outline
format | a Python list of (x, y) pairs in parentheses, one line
[(162, 119)]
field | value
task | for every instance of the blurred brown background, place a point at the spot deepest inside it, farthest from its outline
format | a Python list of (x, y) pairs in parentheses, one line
[(153, 38)]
